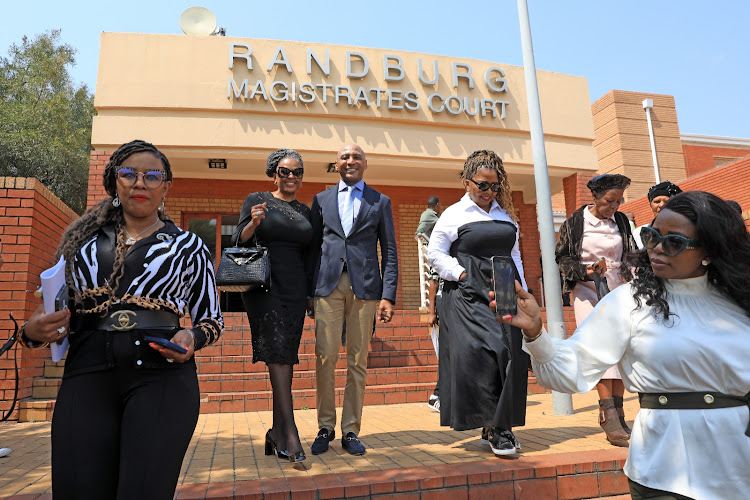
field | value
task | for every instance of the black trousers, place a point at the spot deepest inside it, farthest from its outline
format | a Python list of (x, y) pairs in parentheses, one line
[(122, 433), (639, 492)]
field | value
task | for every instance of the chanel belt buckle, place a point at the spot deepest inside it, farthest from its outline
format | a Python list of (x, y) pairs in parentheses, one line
[(123, 320)]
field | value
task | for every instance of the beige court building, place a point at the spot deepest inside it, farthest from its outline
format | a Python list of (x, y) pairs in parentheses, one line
[(217, 106)]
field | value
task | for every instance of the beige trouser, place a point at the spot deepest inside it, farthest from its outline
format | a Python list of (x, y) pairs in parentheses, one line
[(330, 312)]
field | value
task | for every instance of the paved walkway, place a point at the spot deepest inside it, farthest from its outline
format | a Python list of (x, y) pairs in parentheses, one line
[(228, 447)]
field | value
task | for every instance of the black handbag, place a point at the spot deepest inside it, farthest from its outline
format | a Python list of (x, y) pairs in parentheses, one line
[(243, 269), (600, 284)]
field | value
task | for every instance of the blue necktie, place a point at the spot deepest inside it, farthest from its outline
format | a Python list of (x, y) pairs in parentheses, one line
[(347, 218)]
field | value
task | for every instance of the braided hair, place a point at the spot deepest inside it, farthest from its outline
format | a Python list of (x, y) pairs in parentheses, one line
[(484, 159), (105, 213), (719, 228), (275, 158)]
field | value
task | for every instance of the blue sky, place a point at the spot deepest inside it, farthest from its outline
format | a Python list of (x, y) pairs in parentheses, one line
[(696, 51)]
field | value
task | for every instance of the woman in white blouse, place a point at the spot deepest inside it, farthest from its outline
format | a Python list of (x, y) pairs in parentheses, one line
[(481, 363), (680, 334)]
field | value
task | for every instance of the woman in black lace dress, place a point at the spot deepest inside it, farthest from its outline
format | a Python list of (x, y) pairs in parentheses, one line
[(278, 221)]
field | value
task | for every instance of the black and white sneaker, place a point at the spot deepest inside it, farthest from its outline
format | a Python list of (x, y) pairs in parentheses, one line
[(500, 444), (485, 437), (512, 438), (434, 403)]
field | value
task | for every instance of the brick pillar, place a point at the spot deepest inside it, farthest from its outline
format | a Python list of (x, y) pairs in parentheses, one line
[(529, 242), (32, 221), (576, 192), (97, 162), (622, 141)]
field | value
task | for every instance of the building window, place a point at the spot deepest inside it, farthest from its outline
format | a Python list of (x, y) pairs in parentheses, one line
[(720, 161), (216, 231)]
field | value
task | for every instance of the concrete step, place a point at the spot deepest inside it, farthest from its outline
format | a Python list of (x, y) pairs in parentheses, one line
[(244, 363), (259, 381), (307, 345), (223, 402)]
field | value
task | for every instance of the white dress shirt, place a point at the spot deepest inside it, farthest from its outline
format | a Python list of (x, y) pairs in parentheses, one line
[(359, 188), (705, 346), (446, 232)]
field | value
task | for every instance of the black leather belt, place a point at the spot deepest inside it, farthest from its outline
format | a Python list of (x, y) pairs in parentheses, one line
[(693, 401), (124, 320)]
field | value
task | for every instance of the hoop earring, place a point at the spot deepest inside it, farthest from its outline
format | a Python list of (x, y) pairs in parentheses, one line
[(116, 201), (162, 205), (705, 262)]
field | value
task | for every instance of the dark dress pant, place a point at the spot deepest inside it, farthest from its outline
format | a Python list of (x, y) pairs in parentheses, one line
[(122, 433)]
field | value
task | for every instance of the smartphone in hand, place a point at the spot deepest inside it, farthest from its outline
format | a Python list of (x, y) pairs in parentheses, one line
[(504, 283), (600, 266), (165, 343), (62, 297)]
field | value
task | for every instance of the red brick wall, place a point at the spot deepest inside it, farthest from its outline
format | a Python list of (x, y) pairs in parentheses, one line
[(576, 192), (32, 221), (97, 162), (194, 196), (699, 159), (728, 182)]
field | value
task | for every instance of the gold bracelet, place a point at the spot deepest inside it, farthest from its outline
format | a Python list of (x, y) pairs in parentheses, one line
[(27, 342), (532, 339)]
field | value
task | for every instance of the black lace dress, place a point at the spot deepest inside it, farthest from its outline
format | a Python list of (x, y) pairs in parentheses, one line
[(277, 317)]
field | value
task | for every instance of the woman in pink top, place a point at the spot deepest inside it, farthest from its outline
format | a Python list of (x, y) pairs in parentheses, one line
[(596, 233)]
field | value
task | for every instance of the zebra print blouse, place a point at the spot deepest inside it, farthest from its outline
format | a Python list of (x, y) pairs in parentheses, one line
[(170, 270)]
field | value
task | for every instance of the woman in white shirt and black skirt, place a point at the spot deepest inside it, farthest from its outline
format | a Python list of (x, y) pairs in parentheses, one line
[(484, 369)]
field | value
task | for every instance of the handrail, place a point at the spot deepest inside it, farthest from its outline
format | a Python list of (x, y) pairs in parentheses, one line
[(424, 271)]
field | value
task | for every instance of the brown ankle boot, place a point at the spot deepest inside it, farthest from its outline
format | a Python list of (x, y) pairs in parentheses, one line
[(621, 413), (610, 422)]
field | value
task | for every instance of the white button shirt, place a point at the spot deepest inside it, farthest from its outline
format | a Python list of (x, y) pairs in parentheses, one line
[(446, 232)]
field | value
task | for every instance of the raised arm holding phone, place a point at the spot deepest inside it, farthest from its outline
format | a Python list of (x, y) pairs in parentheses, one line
[(680, 334)]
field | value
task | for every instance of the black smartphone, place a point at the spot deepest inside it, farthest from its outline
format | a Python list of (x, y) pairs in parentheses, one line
[(165, 343), (61, 299), (504, 284)]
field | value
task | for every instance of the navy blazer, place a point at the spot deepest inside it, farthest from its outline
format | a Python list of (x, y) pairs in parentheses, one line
[(360, 250)]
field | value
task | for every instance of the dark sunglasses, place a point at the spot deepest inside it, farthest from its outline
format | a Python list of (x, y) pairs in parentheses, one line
[(484, 186), (284, 172), (671, 244), (152, 179)]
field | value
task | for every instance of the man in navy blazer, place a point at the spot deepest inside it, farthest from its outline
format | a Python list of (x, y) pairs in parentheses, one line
[(349, 221)]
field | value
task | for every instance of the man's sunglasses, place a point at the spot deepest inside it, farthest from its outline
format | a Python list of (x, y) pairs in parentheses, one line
[(484, 186), (284, 172), (671, 244), (151, 179)]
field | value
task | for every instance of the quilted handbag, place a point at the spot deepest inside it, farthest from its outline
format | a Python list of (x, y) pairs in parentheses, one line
[(243, 269)]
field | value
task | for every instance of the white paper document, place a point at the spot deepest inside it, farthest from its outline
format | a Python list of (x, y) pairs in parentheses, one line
[(53, 279)]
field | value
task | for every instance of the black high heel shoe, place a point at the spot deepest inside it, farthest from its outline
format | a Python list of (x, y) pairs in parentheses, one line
[(271, 447)]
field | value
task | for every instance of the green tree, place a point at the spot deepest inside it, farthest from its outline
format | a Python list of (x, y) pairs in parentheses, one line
[(45, 120)]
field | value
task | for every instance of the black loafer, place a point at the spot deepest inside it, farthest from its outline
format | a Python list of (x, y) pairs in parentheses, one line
[(320, 445), (352, 444)]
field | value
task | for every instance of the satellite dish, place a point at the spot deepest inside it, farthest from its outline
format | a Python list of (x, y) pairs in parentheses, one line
[(198, 21)]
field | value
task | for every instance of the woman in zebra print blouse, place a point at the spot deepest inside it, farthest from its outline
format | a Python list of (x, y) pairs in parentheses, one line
[(128, 406)]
